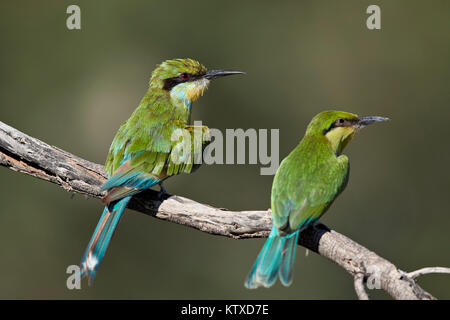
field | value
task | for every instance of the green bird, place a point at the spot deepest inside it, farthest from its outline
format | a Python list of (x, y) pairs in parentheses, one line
[(145, 150), (307, 182)]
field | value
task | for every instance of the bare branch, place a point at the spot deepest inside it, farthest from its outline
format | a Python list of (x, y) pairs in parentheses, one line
[(428, 270), (358, 282), (31, 156)]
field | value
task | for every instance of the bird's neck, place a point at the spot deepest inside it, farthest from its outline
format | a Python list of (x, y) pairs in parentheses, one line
[(180, 99), (321, 144), (338, 138), (160, 98)]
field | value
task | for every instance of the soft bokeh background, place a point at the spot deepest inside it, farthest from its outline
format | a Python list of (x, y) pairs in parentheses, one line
[(72, 89)]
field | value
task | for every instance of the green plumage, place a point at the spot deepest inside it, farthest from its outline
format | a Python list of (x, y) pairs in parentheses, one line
[(156, 142), (307, 182), (146, 135), (309, 178)]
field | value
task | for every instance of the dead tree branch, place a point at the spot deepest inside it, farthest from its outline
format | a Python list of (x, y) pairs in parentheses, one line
[(359, 287), (421, 272), (28, 155)]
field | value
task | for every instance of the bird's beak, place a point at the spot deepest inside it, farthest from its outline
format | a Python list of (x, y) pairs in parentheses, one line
[(364, 121), (211, 74)]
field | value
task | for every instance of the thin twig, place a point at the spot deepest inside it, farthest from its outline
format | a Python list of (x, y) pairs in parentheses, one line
[(427, 270)]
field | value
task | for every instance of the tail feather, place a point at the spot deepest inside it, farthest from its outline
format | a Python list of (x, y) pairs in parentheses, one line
[(288, 257), (270, 259), (276, 258), (99, 242)]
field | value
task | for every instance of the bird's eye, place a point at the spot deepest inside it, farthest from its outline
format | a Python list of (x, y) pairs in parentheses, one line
[(340, 121), (184, 76)]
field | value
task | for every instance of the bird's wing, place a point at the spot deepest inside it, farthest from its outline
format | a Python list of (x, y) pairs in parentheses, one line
[(302, 198), (139, 164)]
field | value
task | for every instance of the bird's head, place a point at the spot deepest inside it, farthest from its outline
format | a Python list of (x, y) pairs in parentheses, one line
[(339, 127), (185, 79)]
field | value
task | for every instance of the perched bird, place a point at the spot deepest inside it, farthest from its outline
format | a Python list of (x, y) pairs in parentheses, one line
[(305, 185), (142, 152)]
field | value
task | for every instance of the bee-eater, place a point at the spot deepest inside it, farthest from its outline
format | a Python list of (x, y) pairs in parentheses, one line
[(140, 154), (305, 185)]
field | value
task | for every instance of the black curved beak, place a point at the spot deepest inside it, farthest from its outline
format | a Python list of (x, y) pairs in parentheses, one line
[(212, 74), (364, 121)]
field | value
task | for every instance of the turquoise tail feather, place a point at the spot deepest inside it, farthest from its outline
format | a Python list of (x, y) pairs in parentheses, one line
[(286, 272), (99, 242), (276, 258)]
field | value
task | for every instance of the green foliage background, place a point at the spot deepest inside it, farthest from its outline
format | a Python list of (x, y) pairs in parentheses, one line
[(72, 89)]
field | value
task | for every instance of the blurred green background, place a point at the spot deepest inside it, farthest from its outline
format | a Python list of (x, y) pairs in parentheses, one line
[(72, 89)]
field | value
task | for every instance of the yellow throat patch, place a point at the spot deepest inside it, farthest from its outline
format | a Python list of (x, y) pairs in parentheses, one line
[(339, 137)]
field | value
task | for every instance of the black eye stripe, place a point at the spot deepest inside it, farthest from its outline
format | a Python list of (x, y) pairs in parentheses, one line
[(339, 123), (172, 82)]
